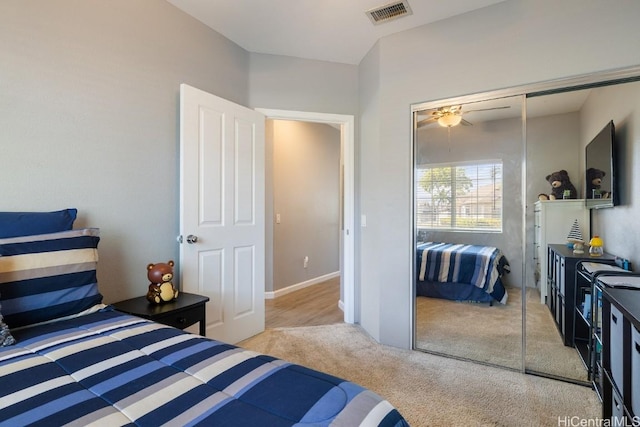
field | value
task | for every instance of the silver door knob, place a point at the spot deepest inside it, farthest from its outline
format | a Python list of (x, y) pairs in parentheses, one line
[(191, 239)]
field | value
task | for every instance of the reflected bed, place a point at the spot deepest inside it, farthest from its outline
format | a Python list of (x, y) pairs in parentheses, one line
[(461, 272)]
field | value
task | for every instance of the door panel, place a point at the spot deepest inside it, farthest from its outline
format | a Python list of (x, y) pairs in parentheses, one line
[(222, 203)]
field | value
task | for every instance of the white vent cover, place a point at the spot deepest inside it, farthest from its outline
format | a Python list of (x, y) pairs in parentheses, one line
[(388, 12)]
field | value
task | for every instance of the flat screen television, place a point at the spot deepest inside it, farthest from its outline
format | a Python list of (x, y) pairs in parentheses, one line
[(600, 170)]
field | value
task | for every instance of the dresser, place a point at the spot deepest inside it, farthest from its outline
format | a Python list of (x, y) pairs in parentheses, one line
[(621, 354), (552, 222), (564, 288)]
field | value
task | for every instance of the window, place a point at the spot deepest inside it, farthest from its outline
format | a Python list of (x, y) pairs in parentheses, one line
[(460, 196)]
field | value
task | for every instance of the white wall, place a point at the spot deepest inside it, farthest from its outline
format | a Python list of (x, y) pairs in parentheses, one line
[(509, 44)]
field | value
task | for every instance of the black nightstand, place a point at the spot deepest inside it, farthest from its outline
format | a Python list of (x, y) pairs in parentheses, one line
[(180, 313)]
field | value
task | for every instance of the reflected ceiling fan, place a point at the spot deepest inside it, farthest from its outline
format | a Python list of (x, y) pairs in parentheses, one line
[(450, 116)]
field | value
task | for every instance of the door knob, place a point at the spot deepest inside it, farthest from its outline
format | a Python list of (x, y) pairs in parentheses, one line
[(191, 239)]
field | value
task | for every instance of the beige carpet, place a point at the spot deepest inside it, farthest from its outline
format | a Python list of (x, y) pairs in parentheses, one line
[(493, 334), (490, 334), (545, 350), (429, 390)]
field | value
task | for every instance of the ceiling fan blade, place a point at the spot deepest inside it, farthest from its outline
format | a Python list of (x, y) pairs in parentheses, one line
[(488, 109), (466, 123), (425, 122)]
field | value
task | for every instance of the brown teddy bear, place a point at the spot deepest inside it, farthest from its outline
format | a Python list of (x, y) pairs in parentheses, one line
[(594, 181), (560, 183), (161, 288)]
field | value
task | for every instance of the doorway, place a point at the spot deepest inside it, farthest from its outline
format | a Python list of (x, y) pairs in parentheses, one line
[(346, 238)]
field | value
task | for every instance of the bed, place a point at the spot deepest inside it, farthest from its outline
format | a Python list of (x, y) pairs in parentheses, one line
[(461, 272), (68, 359)]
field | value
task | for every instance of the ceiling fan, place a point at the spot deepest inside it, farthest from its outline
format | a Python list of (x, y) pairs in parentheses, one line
[(450, 116)]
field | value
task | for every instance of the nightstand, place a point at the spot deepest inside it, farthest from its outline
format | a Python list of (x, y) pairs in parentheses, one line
[(180, 313)]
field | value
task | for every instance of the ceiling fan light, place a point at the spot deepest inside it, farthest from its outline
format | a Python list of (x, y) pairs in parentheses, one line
[(449, 120)]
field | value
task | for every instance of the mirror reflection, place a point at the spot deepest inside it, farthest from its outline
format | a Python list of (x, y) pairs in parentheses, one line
[(468, 186), (470, 159), (582, 132), (600, 169)]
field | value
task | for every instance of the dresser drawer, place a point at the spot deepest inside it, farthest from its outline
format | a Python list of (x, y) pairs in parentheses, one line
[(615, 345)]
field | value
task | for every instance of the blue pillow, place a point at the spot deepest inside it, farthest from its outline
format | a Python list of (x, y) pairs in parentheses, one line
[(48, 276), (14, 224)]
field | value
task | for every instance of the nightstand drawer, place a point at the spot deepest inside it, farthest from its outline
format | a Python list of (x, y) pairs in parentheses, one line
[(181, 313), (182, 319)]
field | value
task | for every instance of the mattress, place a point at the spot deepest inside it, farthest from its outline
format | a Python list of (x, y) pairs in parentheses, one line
[(109, 368)]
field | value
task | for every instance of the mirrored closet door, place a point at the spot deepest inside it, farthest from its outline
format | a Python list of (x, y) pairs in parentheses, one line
[(480, 164), (560, 125), (468, 230)]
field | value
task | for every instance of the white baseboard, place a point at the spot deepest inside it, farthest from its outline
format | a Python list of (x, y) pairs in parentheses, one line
[(301, 285)]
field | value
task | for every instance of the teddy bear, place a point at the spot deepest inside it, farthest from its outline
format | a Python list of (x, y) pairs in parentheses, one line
[(594, 181), (560, 183), (161, 288)]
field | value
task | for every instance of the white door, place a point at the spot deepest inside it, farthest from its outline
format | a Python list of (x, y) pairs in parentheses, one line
[(222, 254)]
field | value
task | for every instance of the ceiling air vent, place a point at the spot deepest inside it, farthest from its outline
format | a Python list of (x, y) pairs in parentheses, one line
[(388, 12)]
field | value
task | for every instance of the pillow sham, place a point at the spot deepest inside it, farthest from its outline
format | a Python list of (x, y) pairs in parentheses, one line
[(48, 276), (14, 224)]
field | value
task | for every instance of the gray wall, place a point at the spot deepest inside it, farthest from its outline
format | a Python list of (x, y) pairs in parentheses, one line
[(618, 226), (553, 144), (286, 83), (509, 44), (367, 152), (306, 188), (89, 119), (89, 115)]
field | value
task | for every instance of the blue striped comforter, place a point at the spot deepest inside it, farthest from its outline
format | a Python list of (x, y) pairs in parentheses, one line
[(479, 266), (113, 369)]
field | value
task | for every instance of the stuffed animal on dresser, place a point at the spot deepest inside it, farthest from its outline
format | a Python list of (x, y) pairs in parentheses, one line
[(560, 183), (161, 287)]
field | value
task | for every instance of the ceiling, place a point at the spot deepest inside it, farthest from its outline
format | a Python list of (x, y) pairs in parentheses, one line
[(328, 30)]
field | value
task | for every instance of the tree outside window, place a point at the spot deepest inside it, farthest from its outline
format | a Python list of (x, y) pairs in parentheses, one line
[(460, 196)]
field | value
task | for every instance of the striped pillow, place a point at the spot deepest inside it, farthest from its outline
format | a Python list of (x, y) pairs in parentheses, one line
[(48, 276)]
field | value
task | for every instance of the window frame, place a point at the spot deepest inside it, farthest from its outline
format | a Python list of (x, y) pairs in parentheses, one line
[(456, 207)]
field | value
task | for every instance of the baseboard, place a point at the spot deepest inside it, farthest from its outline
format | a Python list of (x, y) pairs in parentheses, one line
[(301, 285)]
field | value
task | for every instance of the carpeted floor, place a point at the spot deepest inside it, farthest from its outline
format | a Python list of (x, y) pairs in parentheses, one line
[(430, 390), (545, 350), (493, 334)]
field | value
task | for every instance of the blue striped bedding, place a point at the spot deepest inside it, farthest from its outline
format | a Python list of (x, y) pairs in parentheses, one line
[(113, 369), (479, 267)]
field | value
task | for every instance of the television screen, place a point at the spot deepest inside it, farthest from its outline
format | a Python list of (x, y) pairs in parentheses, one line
[(600, 169)]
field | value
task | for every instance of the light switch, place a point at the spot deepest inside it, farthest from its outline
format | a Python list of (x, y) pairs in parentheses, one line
[(363, 220)]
